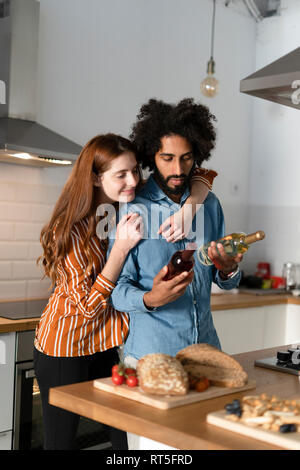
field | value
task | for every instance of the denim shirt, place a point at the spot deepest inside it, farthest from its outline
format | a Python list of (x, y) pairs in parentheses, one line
[(187, 320)]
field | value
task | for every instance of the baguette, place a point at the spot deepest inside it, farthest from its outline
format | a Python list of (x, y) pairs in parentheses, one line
[(221, 369)]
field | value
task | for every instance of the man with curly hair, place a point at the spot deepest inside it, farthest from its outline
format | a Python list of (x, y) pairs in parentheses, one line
[(172, 140)]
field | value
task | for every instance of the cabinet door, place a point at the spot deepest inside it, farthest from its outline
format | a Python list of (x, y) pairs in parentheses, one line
[(275, 325), (292, 334), (7, 369), (240, 330), (5, 440)]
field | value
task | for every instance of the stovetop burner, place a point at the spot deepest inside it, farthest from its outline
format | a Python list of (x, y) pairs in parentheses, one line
[(18, 309), (285, 361)]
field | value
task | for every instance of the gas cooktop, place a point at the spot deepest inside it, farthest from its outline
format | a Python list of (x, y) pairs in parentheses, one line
[(285, 361), (18, 309)]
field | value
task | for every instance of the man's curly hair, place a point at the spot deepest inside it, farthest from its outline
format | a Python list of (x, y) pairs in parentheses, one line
[(187, 119)]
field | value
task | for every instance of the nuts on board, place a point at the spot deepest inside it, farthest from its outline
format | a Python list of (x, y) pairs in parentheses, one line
[(266, 412)]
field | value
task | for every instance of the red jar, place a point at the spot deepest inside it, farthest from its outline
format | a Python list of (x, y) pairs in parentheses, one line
[(263, 270)]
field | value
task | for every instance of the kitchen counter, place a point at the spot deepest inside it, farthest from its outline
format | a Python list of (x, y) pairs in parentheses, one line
[(218, 302), (26, 314), (244, 300), (184, 427), (26, 324)]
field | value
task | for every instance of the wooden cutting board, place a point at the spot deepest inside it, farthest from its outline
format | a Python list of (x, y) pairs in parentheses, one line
[(166, 402), (289, 441)]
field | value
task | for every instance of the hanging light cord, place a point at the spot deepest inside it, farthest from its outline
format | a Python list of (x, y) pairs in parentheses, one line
[(213, 30)]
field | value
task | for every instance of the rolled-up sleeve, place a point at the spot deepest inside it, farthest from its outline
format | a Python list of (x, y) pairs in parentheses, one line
[(230, 283)]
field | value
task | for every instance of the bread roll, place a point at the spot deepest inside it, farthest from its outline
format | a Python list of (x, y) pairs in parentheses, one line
[(205, 360), (161, 374)]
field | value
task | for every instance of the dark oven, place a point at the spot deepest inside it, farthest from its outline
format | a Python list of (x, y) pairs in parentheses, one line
[(28, 420)]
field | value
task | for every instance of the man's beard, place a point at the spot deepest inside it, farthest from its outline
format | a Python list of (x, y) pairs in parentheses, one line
[(163, 182)]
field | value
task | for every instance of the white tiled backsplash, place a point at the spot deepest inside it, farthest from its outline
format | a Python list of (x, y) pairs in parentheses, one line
[(27, 198)]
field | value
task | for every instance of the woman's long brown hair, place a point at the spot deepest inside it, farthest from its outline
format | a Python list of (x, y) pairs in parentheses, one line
[(77, 200)]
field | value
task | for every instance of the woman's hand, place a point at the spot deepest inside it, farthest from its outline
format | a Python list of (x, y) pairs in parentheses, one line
[(129, 232), (177, 226)]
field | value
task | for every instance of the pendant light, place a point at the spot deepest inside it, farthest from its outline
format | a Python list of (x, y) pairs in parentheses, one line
[(210, 85)]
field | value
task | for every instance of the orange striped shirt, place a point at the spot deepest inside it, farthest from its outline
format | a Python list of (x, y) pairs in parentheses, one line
[(204, 176), (78, 319)]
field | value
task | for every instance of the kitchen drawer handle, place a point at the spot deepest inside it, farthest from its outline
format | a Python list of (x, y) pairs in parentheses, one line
[(30, 374)]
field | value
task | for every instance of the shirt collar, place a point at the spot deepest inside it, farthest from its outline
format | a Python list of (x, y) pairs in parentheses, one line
[(156, 193)]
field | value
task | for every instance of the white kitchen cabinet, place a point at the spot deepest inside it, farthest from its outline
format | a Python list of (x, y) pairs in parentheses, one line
[(7, 368), (248, 329), (275, 325), (293, 324), (5, 440), (240, 330)]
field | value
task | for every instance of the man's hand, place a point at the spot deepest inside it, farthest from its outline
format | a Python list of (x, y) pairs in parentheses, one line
[(224, 263), (164, 292)]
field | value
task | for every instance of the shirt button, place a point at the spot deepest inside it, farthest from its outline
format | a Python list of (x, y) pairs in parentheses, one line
[(195, 301)]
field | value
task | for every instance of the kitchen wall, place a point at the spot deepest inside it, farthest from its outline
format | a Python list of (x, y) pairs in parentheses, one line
[(274, 199), (98, 62), (27, 196)]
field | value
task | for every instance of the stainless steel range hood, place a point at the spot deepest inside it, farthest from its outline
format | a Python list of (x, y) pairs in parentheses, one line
[(28, 143), (278, 82), (24, 141)]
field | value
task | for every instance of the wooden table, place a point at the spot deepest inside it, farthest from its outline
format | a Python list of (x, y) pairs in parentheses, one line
[(184, 427)]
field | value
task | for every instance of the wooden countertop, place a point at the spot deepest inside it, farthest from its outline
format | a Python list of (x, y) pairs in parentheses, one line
[(21, 306), (25, 324), (244, 300), (184, 427), (218, 302)]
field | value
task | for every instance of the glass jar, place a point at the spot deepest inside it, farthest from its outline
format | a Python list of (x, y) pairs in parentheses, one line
[(289, 272)]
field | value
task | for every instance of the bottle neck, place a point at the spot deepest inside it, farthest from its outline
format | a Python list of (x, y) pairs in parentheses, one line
[(254, 237), (186, 255)]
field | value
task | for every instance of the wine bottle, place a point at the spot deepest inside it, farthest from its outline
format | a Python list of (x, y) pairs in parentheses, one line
[(233, 244), (182, 260)]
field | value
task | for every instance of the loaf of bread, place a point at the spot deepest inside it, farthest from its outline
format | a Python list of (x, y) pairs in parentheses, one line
[(161, 374), (208, 361)]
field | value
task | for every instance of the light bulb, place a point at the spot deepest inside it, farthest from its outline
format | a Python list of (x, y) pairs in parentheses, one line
[(210, 85)]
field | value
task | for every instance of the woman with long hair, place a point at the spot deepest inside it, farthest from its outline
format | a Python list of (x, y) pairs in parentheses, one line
[(79, 332)]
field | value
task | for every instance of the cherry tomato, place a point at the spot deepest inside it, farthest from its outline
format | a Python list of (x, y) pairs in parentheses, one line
[(202, 384), (114, 369), (130, 371), (118, 379), (132, 381)]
